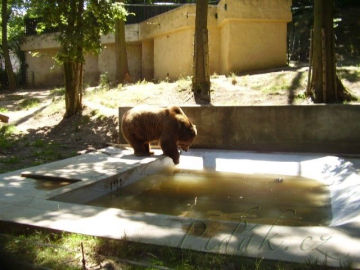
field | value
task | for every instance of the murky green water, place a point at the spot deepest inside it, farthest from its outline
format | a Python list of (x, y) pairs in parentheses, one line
[(264, 199)]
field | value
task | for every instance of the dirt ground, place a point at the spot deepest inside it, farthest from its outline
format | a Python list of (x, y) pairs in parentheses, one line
[(41, 134)]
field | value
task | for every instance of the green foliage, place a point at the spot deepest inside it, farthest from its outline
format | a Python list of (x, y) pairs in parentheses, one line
[(80, 24), (104, 81), (15, 25), (301, 95), (56, 251)]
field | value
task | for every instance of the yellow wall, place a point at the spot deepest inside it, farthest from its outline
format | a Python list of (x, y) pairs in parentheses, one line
[(253, 45), (147, 59), (224, 48), (214, 49), (244, 35), (106, 62), (134, 60), (172, 55)]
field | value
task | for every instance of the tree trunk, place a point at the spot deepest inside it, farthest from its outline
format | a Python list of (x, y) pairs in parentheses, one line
[(5, 48), (73, 87), (73, 68), (325, 86), (121, 62), (201, 76)]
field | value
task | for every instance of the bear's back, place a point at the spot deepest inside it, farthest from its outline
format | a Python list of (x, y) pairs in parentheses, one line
[(146, 122)]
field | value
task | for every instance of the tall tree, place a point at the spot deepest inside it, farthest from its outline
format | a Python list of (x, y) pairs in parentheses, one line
[(121, 62), (5, 14), (324, 84), (201, 74), (80, 24)]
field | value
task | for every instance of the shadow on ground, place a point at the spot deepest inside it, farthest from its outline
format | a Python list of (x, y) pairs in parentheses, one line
[(71, 136)]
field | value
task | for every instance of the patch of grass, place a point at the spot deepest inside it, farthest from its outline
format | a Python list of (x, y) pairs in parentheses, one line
[(183, 84), (38, 143), (107, 97), (351, 74), (140, 82), (244, 80), (57, 92), (101, 117), (10, 160), (282, 82), (104, 82), (119, 86), (47, 153), (215, 76), (301, 95), (43, 151), (95, 113), (29, 103), (3, 110), (40, 249), (277, 84), (7, 136)]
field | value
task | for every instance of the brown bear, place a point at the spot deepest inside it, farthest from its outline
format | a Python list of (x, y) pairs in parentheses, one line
[(144, 124)]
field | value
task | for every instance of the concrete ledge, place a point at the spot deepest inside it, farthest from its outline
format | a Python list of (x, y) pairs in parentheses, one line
[(313, 128)]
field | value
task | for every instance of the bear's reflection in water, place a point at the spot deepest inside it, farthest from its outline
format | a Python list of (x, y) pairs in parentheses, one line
[(255, 198)]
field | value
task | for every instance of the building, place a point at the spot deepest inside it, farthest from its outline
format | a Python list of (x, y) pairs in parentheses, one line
[(244, 35)]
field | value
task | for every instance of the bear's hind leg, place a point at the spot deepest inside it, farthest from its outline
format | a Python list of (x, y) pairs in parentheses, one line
[(141, 148), (147, 148)]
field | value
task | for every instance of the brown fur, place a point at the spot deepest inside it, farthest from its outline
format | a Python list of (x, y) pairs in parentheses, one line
[(144, 124)]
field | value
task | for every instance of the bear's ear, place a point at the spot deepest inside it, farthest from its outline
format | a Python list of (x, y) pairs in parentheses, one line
[(176, 110)]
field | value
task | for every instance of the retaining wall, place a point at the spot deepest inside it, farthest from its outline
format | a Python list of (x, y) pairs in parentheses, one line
[(313, 128)]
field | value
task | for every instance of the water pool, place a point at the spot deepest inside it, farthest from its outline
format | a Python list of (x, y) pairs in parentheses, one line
[(255, 198)]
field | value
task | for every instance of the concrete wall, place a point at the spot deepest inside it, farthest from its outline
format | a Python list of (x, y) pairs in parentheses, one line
[(44, 60), (170, 59), (91, 71), (37, 63), (315, 128), (147, 59), (106, 62), (244, 35), (253, 45), (252, 34)]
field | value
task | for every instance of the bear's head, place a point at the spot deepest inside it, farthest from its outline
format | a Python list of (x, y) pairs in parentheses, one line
[(186, 130), (186, 137)]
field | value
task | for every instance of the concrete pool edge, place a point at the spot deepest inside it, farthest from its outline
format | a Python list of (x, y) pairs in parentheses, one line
[(335, 245)]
